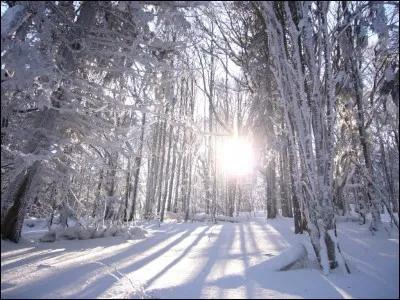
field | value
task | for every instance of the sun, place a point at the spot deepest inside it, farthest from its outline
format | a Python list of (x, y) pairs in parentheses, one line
[(236, 157)]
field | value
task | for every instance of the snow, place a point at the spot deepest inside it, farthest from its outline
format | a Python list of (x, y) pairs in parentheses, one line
[(291, 258), (389, 75), (199, 260), (12, 19)]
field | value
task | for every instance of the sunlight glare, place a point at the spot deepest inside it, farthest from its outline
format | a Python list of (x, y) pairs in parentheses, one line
[(236, 157)]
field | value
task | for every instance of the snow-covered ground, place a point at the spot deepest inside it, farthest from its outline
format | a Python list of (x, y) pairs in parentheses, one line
[(198, 260)]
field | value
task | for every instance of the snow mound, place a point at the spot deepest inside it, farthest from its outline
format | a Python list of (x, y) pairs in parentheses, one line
[(348, 217), (227, 219), (169, 215), (84, 233), (111, 231), (294, 257), (201, 217), (135, 233), (99, 233), (48, 237), (32, 222), (67, 234)]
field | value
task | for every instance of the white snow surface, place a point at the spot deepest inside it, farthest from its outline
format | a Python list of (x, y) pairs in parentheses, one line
[(12, 19), (199, 260)]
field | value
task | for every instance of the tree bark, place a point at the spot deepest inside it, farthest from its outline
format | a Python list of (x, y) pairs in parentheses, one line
[(137, 166), (270, 193)]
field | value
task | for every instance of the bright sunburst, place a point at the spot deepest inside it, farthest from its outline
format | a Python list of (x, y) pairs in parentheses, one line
[(236, 157)]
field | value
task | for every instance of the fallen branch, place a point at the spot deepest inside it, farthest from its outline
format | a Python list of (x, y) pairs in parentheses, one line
[(138, 288)]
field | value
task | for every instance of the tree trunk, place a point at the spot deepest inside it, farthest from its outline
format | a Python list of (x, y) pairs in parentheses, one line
[(97, 195), (137, 166), (171, 182), (374, 203), (151, 173), (175, 204), (189, 189), (231, 196), (18, 195), (282, 185), (162, 179), (271, 196), (164, 197)]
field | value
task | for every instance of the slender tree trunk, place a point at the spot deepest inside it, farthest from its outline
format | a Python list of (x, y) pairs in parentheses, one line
[(128, 186), (111, 185), (184, 182), (271, 186), (374, 204), (171, 182), (189, 188), (157, 163), (161, 171), (388, 176), (175, 204), (166, 186), (151, 170), (137, 166), (239, 198), (231, 196), (285, 200), (98, 193)]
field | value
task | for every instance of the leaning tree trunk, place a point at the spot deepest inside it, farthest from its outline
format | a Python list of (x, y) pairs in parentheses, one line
[(18, 195), (17, 199)]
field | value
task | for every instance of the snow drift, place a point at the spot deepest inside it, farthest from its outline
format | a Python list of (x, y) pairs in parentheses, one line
[(294, 257)]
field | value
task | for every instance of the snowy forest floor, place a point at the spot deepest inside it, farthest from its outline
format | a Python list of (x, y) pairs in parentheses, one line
[(198, 260)]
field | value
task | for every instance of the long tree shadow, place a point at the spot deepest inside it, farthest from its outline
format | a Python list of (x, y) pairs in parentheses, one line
[(193, 288), (7, 255), (299, 283), (295, 282), (33, 257), (39, 288), (250, 231), (272, 234), (249, 289), (139, 247), (282, 229), (131, 267), (176, 260)]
